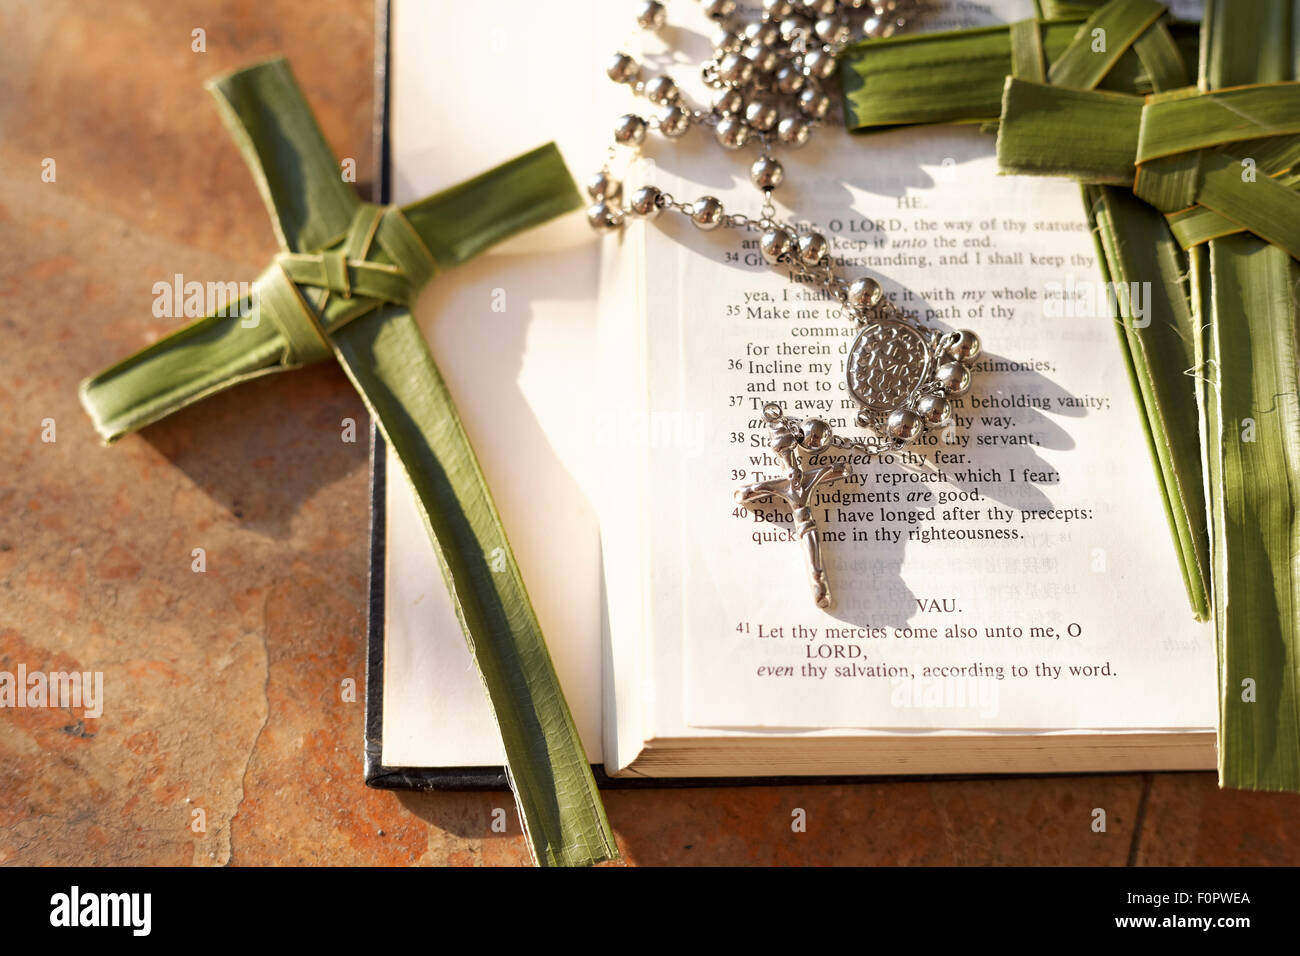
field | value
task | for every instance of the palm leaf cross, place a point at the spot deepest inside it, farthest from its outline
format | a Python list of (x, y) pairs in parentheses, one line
[(341, 287)]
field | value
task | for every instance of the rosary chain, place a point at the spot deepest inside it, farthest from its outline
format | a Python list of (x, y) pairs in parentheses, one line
[(766, 78)]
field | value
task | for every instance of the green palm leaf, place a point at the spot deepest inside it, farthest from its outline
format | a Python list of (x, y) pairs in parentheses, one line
[(1217, 234)]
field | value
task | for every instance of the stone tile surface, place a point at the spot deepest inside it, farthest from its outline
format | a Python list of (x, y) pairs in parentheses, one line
[(226, 736)]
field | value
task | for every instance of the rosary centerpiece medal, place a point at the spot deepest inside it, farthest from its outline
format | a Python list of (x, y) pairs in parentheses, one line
[(900, 376)]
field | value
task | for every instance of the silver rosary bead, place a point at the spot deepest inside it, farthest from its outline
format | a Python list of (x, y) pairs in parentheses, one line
[(764, 60), (726, 101), (735, 69), (789, 80), (629, 130), (776, 245), (603, 186), (935, 410), (604, 216), (815, 434), (777, 9), (706, 212), (725, 41), (651, 15), (674, 121), (763, 33), (864, 293), (645, 202), (766, 173), (821, 8), (732, 132), (719, 9), (660, 90), (964, 346), (623, 69), (793, 131), (879, 27), (795, 26), (814, 103), (954, 377), (831, 29), (760, 113), (813, 248), (903, 425), (819, 63)]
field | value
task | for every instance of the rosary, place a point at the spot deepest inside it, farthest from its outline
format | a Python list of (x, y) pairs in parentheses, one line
[(767, 78)]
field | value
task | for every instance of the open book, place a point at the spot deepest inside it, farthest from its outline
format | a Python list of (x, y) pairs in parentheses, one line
[(1008, 596)]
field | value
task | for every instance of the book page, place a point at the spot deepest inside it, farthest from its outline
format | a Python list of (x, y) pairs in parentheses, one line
[(1016, 572), (513, 333)]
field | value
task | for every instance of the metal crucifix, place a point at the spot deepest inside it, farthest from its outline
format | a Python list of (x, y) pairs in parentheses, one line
[(796, 487)]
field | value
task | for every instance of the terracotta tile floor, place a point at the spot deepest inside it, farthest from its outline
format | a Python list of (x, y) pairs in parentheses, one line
[(223, 704)]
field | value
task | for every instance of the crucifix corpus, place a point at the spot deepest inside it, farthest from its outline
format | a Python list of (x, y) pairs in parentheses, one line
[(795, 488)]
